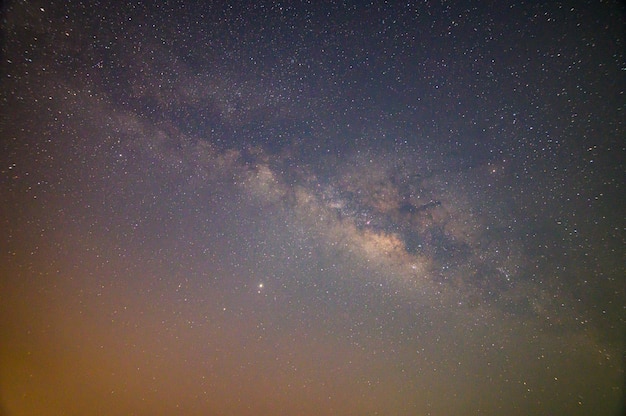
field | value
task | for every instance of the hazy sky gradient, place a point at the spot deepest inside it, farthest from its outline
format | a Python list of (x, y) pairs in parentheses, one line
[(308, 209)]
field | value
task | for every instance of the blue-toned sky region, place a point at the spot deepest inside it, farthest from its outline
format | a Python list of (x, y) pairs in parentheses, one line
[(305, 208)]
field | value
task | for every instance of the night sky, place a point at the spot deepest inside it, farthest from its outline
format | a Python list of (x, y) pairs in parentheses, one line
[(312, 208)]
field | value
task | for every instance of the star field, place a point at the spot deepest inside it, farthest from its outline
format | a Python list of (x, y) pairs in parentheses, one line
[(347, 208)]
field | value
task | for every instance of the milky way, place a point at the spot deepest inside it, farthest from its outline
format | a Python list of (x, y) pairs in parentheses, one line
[(312, 209)]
